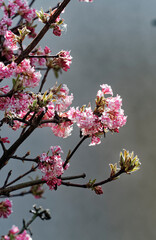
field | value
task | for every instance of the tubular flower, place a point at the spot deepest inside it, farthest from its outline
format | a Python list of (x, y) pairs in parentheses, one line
[(13, 234), (52, 167), (5, 208), (107, 115)]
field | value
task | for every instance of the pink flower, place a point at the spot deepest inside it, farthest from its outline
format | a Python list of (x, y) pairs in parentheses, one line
[(98, 190), (62, 130), (4, 140), (5, 208), (106, 89), (4, 24), (7, 71), (64, 100), (57, 31), (14, 230), (11, 40), (52, 167), (27, 73), (13, 234), (63, 61)]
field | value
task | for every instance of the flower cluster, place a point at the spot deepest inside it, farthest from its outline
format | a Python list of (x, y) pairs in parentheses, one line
[(13, 234), (62, 60), (59, 24), (52, 167), (20, 7), (107, 115), (5, 208)]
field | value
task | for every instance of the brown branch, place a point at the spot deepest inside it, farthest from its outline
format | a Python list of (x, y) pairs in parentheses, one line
[(25, 159), (111, 178), (9, 153), (44, 79), (21, 176), (74, 150), (7, 190), (42, 56)]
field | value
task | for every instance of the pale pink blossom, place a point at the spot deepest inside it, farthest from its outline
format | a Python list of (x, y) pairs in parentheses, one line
[(7, 71), (62, 130), (52, 167), (27, 73), (11, 40), (62, 61), (106, 89), (13, 234), (5, 208), (5, 22), (64, 100)]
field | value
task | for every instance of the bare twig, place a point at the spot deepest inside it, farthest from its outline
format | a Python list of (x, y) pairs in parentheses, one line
[(44, 79), (8, 176), (74, 150)]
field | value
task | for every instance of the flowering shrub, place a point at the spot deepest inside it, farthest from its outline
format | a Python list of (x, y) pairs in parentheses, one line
[(27, 110)]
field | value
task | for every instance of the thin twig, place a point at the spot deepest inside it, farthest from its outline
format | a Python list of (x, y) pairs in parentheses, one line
[(74, 150), (44, 79), (7, 190), (25, 159), (42, 56), (8, 176), (111, 178), (23, 175), (73, 177)]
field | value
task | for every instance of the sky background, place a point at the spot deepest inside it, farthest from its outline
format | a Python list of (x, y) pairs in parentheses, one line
[(111, 42)]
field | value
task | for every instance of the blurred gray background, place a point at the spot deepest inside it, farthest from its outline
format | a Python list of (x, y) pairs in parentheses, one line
[(113, 42)]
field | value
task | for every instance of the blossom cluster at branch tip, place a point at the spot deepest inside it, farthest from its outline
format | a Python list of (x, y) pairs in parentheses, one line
[(52, 167), (5, 208), (58, 26), (14, 234)]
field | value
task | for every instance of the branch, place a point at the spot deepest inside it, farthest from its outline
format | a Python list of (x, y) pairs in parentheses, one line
[(21, 176), (7, 190), (9, 153), (74, 150), (111, 178), (44, 79)]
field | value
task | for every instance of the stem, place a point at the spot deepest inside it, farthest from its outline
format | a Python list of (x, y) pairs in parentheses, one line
[(96, 184), (73, 177), (21, 176), (8, 153), (7, 190), (25, 159), (42, 56), (74, 150), (44, 79)]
